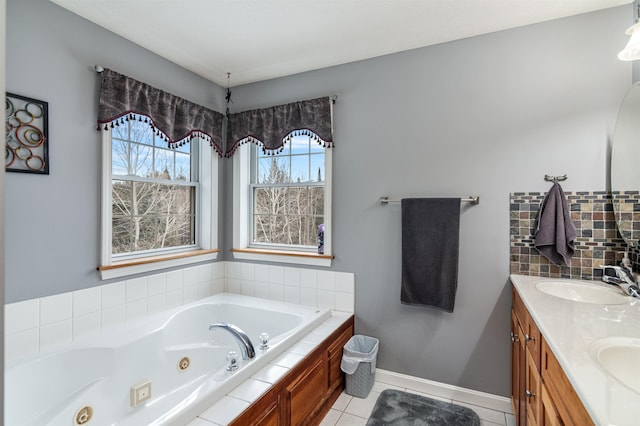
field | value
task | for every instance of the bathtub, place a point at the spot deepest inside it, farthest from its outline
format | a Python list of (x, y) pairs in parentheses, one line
[(175, 351)]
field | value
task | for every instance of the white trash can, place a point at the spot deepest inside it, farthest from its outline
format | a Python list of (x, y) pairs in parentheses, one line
[(359, 363)]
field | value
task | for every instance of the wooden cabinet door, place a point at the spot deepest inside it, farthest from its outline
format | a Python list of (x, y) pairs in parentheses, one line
[(305, 394), (515, 364), (334, 354), (522, 372), (548, 414), (532, 392)]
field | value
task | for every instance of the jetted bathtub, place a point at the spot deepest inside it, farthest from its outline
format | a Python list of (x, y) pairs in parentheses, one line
[(90, 381)]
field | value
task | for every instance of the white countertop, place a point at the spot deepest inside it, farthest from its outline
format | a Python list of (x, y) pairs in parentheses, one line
[(573, 331)]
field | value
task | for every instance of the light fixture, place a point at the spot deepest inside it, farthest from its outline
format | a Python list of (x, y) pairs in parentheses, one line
[(631, 52)]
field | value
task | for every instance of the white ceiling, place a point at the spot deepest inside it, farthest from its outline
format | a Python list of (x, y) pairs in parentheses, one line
[(257, 40)]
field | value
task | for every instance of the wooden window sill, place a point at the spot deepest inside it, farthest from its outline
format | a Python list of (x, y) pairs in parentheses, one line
[(282, 256)]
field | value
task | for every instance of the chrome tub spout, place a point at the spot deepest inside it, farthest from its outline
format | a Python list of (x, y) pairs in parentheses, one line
[(246, 347)]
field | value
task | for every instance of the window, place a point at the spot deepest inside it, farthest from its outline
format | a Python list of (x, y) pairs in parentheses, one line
[(154, 196), (282, 200)]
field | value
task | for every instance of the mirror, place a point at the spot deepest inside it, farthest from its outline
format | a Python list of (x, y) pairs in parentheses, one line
[(625, 168)]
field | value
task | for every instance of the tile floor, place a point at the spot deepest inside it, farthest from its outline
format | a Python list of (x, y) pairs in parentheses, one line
[(353, 411)]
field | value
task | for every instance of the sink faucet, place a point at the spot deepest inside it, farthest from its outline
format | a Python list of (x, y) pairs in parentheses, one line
[(623, 278), (246, 347)]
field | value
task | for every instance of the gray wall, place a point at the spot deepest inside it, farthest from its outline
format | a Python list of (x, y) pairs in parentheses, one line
[(483, 116), (52, 222)]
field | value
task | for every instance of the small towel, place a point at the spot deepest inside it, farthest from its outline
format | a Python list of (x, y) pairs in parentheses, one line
[(430, 231), (555, 232)]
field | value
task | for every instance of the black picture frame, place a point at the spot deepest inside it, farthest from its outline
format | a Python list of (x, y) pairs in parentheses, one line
[(27, 130)]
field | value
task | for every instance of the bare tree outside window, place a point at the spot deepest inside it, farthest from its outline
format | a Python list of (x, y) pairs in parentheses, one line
[(288, 194), (153, 198)]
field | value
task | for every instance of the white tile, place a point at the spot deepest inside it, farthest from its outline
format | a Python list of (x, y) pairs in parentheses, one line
[(248, 288), (136, 310), (175, 280), (379, 387), (233, 270), (315, 338), (347, 419), (225, 410), (291, 294), (308, 278), (205, 272), (156, 304), (174, 298), (87, 324), (288, 360), (261, 289), (217, 286), (261, 273), (344, 302), (292, 276), (331, 418), (234, 286), (302, 348), (190, 276), (326, 299), (55, 334), (345, 282), (276, 274), (250, 390), (21, 316), (87, 301), (362, 406), (190, 293), (218, 269), (309, 296), (56, 308), (156, 284), (113, 295), (343, 400), (247, 271), (326, 280), (204, 289), (113, 316), (271, 373), (511, 419), (486, 413), (276, 292), (21, 344), (135, 289)]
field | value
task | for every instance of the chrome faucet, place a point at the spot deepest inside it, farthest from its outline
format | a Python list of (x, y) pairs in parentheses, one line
[(246, 347), (623, 278)]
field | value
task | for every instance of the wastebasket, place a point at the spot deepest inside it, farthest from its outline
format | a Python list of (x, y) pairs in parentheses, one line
[(359, 363)]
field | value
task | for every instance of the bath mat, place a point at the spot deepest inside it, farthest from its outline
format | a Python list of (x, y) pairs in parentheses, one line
[(397, 408)]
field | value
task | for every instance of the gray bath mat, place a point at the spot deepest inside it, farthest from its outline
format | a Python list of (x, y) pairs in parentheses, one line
[(398, 408)]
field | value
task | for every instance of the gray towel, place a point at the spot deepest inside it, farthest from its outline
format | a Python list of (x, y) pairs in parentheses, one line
[(430, 230), (555, 232)]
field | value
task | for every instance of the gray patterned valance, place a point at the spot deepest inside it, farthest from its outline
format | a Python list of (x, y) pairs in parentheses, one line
[(174, 119), (272, 127)]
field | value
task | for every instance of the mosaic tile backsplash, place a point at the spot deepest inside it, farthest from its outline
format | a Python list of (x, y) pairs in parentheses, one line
[(598, 242)]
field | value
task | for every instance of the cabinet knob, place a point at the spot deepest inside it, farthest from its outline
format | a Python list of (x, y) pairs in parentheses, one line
[(514, 337), (528, 338), (529, 394)]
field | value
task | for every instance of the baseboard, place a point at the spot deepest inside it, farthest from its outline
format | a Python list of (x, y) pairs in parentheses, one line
[(468, 396)]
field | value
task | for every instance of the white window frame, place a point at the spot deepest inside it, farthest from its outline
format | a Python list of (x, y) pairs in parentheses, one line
[(242, 217), (206, 219)]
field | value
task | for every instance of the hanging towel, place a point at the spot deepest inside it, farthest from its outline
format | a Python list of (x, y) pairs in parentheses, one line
[(555, 232), (430, 230)]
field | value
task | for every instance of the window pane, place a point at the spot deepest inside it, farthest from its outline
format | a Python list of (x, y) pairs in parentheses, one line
[(262, 228), (183, 167), (300, 168), (278, 198), (177, 231), (273, 169), (316, 148), (119, 157), (316, 201), (164, 167), (122, 232), (121, 131), (297, 200), (146, 233), (141, 160), (186, 148), (300, 145), (121, 196), (317, 168), (141, 132), (261, 201)]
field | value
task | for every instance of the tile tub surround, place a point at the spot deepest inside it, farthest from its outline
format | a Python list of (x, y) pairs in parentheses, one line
[(35, 325), (598, 241)]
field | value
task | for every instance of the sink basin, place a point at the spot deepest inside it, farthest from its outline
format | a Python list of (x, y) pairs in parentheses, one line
[(583, 292), (619, 359)]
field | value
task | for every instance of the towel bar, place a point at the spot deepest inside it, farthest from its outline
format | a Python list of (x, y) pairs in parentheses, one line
[(473, 200)]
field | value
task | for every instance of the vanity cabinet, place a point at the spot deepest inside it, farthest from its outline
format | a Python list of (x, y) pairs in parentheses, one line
[(541, 394), (305, 394)]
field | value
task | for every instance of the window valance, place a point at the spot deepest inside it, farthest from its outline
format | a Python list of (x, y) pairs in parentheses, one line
[(272, 127), (174, 119)]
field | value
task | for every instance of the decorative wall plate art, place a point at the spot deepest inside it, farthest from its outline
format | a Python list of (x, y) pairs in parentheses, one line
[(27, 144)]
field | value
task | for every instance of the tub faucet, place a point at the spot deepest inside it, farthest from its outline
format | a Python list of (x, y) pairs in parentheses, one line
[(623, 278), (246, 347)]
